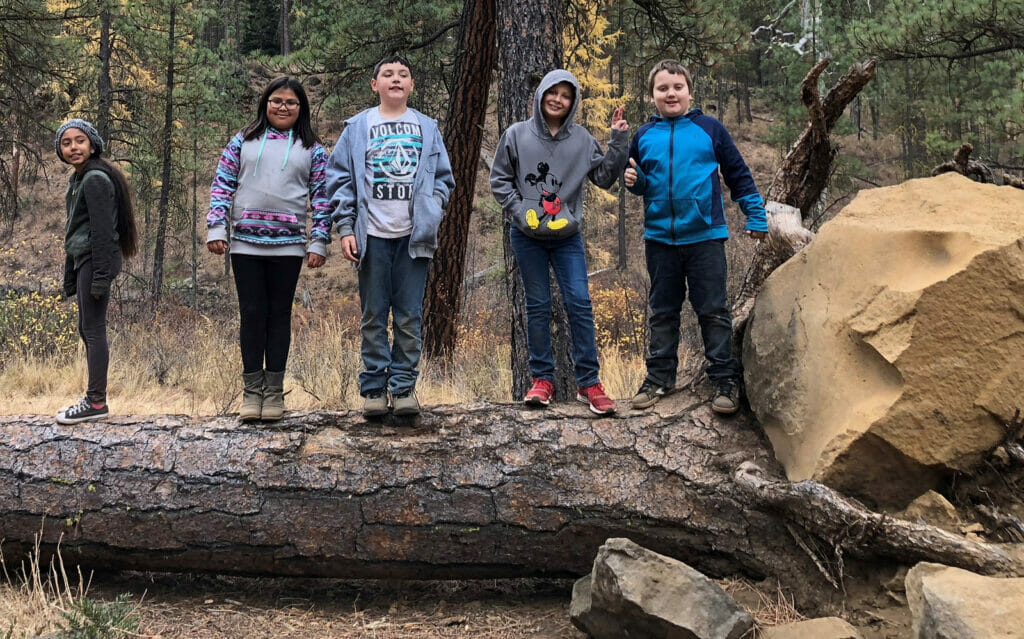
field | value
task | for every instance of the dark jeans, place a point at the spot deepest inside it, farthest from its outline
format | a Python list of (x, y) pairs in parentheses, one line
[(702, 267), (92, 326), (390, 281), (266, 288), (567, 259)]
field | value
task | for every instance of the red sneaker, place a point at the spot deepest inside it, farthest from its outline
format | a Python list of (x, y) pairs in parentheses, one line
[(540, 393), (600, 403)]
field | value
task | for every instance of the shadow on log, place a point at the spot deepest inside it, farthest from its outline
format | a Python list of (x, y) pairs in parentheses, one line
[(466, 491)]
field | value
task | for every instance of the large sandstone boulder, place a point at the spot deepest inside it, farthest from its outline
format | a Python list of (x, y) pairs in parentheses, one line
[(950, 603), (891, 349), (635, 593)]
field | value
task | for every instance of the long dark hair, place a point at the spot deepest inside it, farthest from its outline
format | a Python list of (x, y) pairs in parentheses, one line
[(303, 126), (127, 232)]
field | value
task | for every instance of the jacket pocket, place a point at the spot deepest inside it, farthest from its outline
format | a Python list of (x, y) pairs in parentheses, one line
[(691, 215), (544, 222), (430, 163), (426, 218), (263, 226)]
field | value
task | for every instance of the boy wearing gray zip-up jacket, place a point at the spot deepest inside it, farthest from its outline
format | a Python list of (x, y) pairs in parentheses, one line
[(674, 163), (389, 179), (539, 177)]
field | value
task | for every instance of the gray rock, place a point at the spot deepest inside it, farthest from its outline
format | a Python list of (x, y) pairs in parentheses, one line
[(634, 593)]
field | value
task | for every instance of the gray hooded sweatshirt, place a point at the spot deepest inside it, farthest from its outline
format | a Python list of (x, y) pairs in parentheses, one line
[(540, 180)]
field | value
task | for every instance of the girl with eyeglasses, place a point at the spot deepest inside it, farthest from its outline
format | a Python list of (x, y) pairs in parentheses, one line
[(270, 176)]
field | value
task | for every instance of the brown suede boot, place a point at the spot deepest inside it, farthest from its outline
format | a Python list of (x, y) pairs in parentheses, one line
[(252, 396), (273, 396)]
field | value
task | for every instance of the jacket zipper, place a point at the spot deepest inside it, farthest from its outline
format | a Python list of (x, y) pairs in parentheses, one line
[(671, 178)]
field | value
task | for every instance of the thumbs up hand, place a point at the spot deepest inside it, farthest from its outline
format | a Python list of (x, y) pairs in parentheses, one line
[(630, 177)]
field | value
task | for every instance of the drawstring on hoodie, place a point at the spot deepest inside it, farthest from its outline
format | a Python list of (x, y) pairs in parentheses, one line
[(263, 143), (288, 150)]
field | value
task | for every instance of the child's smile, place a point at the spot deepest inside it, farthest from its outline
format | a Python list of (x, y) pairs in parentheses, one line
[(557, 100), (75, 147), (671, 94)]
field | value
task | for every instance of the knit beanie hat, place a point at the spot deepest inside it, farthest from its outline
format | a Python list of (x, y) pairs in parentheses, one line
[(85, 127)]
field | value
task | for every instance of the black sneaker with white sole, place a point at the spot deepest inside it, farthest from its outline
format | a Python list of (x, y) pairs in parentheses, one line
[(83, 411)]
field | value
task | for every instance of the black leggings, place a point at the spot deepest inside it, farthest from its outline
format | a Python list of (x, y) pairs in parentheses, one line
[(92, 326), (266, 288)]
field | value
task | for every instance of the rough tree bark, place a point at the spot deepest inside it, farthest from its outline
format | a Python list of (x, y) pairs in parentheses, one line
[(529, 45), (285, 40), (467, 109), (104, 87), (800, 180), (163, 208), (479, 491)]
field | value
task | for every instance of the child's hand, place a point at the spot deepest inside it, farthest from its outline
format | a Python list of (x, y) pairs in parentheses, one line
[(618, 122), (315, 260), (630, 176), (217, 247), (757, 235), (348, 248)]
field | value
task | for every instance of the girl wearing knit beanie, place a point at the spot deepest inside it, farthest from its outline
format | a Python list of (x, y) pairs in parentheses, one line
[(271, 173), (99, 232)]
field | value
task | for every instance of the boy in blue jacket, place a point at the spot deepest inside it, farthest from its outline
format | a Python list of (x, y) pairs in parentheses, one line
[(389, 179), (674, 163)]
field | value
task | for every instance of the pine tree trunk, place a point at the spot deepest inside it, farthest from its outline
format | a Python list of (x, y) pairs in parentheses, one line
[(163, 208), (463, 129), (620, 229), (104, 89), (286, 46)]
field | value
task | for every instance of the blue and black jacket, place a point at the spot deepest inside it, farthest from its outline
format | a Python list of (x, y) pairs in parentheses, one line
[(678, 161)]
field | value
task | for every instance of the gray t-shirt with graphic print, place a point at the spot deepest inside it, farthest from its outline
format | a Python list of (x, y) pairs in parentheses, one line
[(393, 152)]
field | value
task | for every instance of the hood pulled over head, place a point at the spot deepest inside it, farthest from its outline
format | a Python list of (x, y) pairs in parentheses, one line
[(551, 79)]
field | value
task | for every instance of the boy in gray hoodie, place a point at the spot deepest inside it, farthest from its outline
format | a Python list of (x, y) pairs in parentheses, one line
[(539, 177)]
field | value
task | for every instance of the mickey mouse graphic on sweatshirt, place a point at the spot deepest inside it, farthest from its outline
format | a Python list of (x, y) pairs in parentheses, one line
[(540, 179)]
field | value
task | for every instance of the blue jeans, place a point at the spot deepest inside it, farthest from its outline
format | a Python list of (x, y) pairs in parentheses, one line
[(569, 262), (391, 281), (702, 267)]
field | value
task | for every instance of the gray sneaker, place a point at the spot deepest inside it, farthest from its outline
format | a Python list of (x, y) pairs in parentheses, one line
[(375, 405), (648, 395), (726, 399), (406, 405)]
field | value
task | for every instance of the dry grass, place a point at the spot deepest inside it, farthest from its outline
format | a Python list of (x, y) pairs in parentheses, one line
[(768, 607), (32, 599), (208, 607), (183, 362)]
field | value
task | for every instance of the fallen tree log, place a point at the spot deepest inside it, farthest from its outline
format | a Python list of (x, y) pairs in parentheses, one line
[(472, 491)]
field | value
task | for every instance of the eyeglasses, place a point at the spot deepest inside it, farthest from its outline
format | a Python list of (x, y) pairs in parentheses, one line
[(277, 103)]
